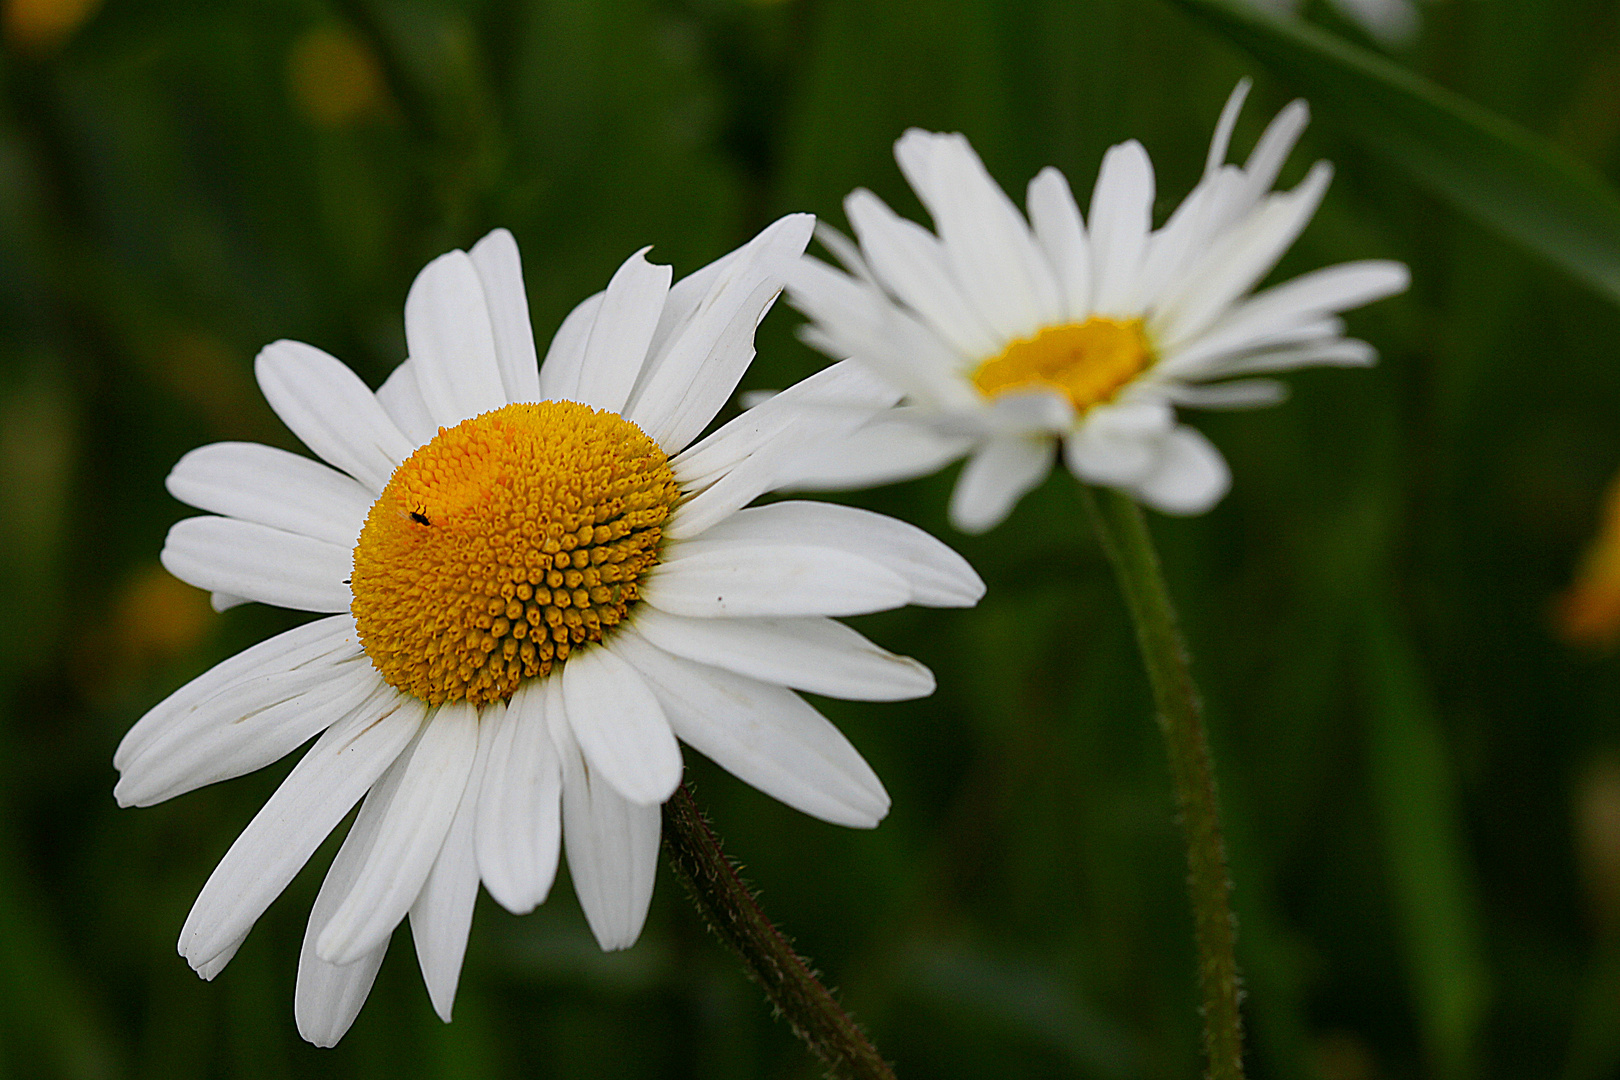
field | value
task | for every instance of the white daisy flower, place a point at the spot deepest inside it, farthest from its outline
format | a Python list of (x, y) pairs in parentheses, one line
[(1006, 336), (535, 583)]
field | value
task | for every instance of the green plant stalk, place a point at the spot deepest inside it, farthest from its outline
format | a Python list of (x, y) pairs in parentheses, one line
[(732, 911), (1125, 537)]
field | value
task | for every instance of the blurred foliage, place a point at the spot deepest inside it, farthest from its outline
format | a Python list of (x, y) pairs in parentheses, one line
[(1420, 778)]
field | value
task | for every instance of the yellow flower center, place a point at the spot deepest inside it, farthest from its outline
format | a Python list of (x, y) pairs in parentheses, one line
[(1088, 362), (505, 543)]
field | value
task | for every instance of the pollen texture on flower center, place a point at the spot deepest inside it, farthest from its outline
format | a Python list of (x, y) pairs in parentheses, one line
[(506, 543), (1089, 362)]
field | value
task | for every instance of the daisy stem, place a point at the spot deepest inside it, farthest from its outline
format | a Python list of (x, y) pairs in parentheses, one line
[(732, 911), (1124, 534)]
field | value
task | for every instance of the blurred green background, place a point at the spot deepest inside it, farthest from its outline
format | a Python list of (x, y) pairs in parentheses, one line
[(1422, 781)]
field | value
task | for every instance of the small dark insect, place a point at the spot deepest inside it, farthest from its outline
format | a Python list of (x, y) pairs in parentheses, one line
[(420, 518), (348, 581)]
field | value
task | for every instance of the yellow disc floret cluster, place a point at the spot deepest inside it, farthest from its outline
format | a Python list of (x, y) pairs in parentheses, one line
[(1088, 362), (504, 544)]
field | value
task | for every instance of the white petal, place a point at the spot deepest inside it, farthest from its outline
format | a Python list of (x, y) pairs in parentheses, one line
[(1118, 445), (1276, 143), (272, 487), (260, 563), (207, 971), (1031, 411), (678, 396), (935, 575), (855, 319), (846, 251), (500, 272), (818, 655), (1243, 394), (442, 914), (881, 452), (329, 408), (751, 478), (410, 839), (1222, 140), (1240, 258), (1300, 301), (913, 265), (987, 243), (451, 342), (1222, 199), (621, 332), (519, 829), (1055, 218), (1197, 362), (559, 375), (325, 783), (1174, 249), (740, 579), (995, 478), (845, 384), (328, 996), (1121, 216), (765, 735), (619, 727), (747, 456), (686, 298), (612, 843), (222, 602), (1189, 478), (401, 398), (1342, 352), (324, 641), (246, 728)]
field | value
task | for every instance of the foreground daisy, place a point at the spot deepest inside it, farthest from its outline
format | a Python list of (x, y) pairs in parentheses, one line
[(1007, 336), (537, 585)]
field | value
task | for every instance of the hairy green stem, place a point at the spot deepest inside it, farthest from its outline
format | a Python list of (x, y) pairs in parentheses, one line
[(732, 911), (1124, 535)]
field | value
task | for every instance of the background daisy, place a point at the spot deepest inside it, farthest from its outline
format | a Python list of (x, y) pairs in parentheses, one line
[(534, 602), (1007, 335)]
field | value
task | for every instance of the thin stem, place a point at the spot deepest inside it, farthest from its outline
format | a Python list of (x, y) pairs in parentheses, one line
[(732, 911), (1124, 535)]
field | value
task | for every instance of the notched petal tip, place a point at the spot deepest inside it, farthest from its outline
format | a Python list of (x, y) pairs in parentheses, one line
[(867, 814), (973, 588), (914, 140), (641, 257), (127, 793)]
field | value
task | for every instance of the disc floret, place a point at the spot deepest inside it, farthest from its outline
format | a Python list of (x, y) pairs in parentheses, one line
[(506, 543), (1089, 362)]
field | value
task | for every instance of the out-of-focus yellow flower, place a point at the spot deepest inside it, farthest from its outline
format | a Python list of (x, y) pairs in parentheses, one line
[(203, 370), (155, 618), (160, 616), (42, 26), (1589, 612), (335, 79)]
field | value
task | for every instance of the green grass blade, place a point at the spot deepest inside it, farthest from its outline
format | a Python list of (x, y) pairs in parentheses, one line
[(1436, 896), (1510, 179)]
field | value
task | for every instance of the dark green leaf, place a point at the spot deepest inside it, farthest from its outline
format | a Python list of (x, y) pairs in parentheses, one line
[(1509, 178)]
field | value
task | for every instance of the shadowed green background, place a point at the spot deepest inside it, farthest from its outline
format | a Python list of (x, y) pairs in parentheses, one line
[(1419, 778)]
